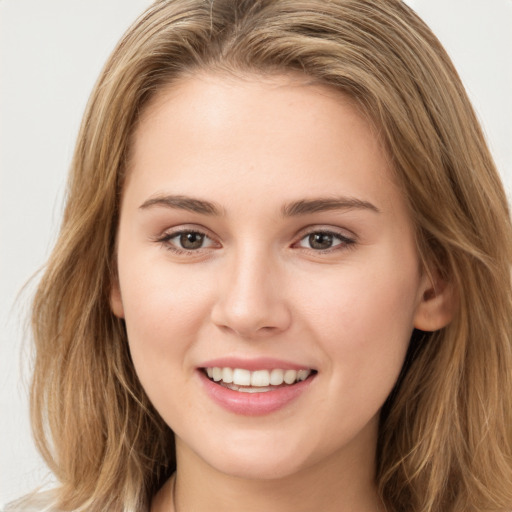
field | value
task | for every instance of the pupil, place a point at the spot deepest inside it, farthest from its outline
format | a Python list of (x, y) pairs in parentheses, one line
[(320, 241), (191, 240)]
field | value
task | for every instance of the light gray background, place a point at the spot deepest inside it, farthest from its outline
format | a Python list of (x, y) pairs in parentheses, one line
[(51, 52)]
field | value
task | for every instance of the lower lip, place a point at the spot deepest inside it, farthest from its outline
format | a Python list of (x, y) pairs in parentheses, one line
[(253, 404)]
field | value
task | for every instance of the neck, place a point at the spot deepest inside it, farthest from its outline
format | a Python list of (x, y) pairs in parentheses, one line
[(341, 483)]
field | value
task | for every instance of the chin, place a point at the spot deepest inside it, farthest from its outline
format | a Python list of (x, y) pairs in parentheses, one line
[(252, 457), (259, 468)]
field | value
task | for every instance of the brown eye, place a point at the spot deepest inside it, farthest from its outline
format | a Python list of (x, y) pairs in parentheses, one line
[(184, 241), (324, 241), (320, 241), (191, 240)]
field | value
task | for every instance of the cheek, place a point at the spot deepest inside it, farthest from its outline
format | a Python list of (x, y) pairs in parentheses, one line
[(163, 309), (364, 320), (364, 300), (365, 332)]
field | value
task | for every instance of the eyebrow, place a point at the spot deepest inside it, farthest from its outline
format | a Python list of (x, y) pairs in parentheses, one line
[(294, 209), (308, 206), (183, 203)]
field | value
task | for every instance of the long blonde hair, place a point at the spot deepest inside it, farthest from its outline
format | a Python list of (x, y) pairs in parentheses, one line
[(445, 435)]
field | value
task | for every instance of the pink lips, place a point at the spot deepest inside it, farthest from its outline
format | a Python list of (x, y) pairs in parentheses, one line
[(253, 404), (260, 363)]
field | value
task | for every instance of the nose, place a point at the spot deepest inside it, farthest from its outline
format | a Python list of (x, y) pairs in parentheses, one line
[(251, 300)]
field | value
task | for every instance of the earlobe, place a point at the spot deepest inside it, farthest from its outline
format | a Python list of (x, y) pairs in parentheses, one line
[(437, 304), (116, 302)]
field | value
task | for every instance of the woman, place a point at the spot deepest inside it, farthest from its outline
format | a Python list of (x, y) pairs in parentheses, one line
[(283, 275)]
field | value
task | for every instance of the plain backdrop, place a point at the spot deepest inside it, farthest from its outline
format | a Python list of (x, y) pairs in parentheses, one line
[(51, 52)]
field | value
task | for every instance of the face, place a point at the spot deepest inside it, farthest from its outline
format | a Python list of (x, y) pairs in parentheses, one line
[(262, 238)]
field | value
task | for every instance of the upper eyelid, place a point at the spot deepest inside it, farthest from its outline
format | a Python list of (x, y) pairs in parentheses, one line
[(166, 240), (176, 230), (166, 236), (343, 241), (331, 230), (171, 232)]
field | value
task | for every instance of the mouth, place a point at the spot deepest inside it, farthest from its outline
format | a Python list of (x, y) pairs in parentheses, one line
[(258, 381)]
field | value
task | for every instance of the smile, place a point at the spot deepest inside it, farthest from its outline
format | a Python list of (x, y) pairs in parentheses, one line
[(257, 386), (259, 381)]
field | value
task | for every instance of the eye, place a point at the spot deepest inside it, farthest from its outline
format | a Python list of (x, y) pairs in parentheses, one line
[(191, 240), (186, 241), (324, 241)]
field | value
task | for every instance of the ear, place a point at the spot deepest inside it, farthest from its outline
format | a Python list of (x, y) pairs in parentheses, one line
[(116, 301), (437, 303)]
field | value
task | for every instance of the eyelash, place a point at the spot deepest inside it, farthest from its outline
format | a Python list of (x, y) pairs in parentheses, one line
[(166, 241), (345, 242)]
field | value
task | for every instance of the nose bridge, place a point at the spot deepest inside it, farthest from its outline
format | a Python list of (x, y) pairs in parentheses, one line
[(250, 299)]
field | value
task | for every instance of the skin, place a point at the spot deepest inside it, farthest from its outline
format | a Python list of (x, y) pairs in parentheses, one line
[(257, 288)]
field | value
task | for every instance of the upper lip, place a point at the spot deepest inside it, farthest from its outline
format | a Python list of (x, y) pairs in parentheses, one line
[(253, 364)]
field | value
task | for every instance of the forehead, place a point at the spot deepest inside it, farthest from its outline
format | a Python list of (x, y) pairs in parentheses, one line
[(217, 100), (284, 129)]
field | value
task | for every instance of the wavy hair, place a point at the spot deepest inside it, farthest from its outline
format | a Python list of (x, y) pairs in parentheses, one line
[(445, 438)]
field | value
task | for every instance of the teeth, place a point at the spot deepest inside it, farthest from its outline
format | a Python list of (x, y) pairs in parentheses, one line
[(227, 375), (241, 377), (303, 374), (248, 389), (276, 377), (290, 376), (260, 379)]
